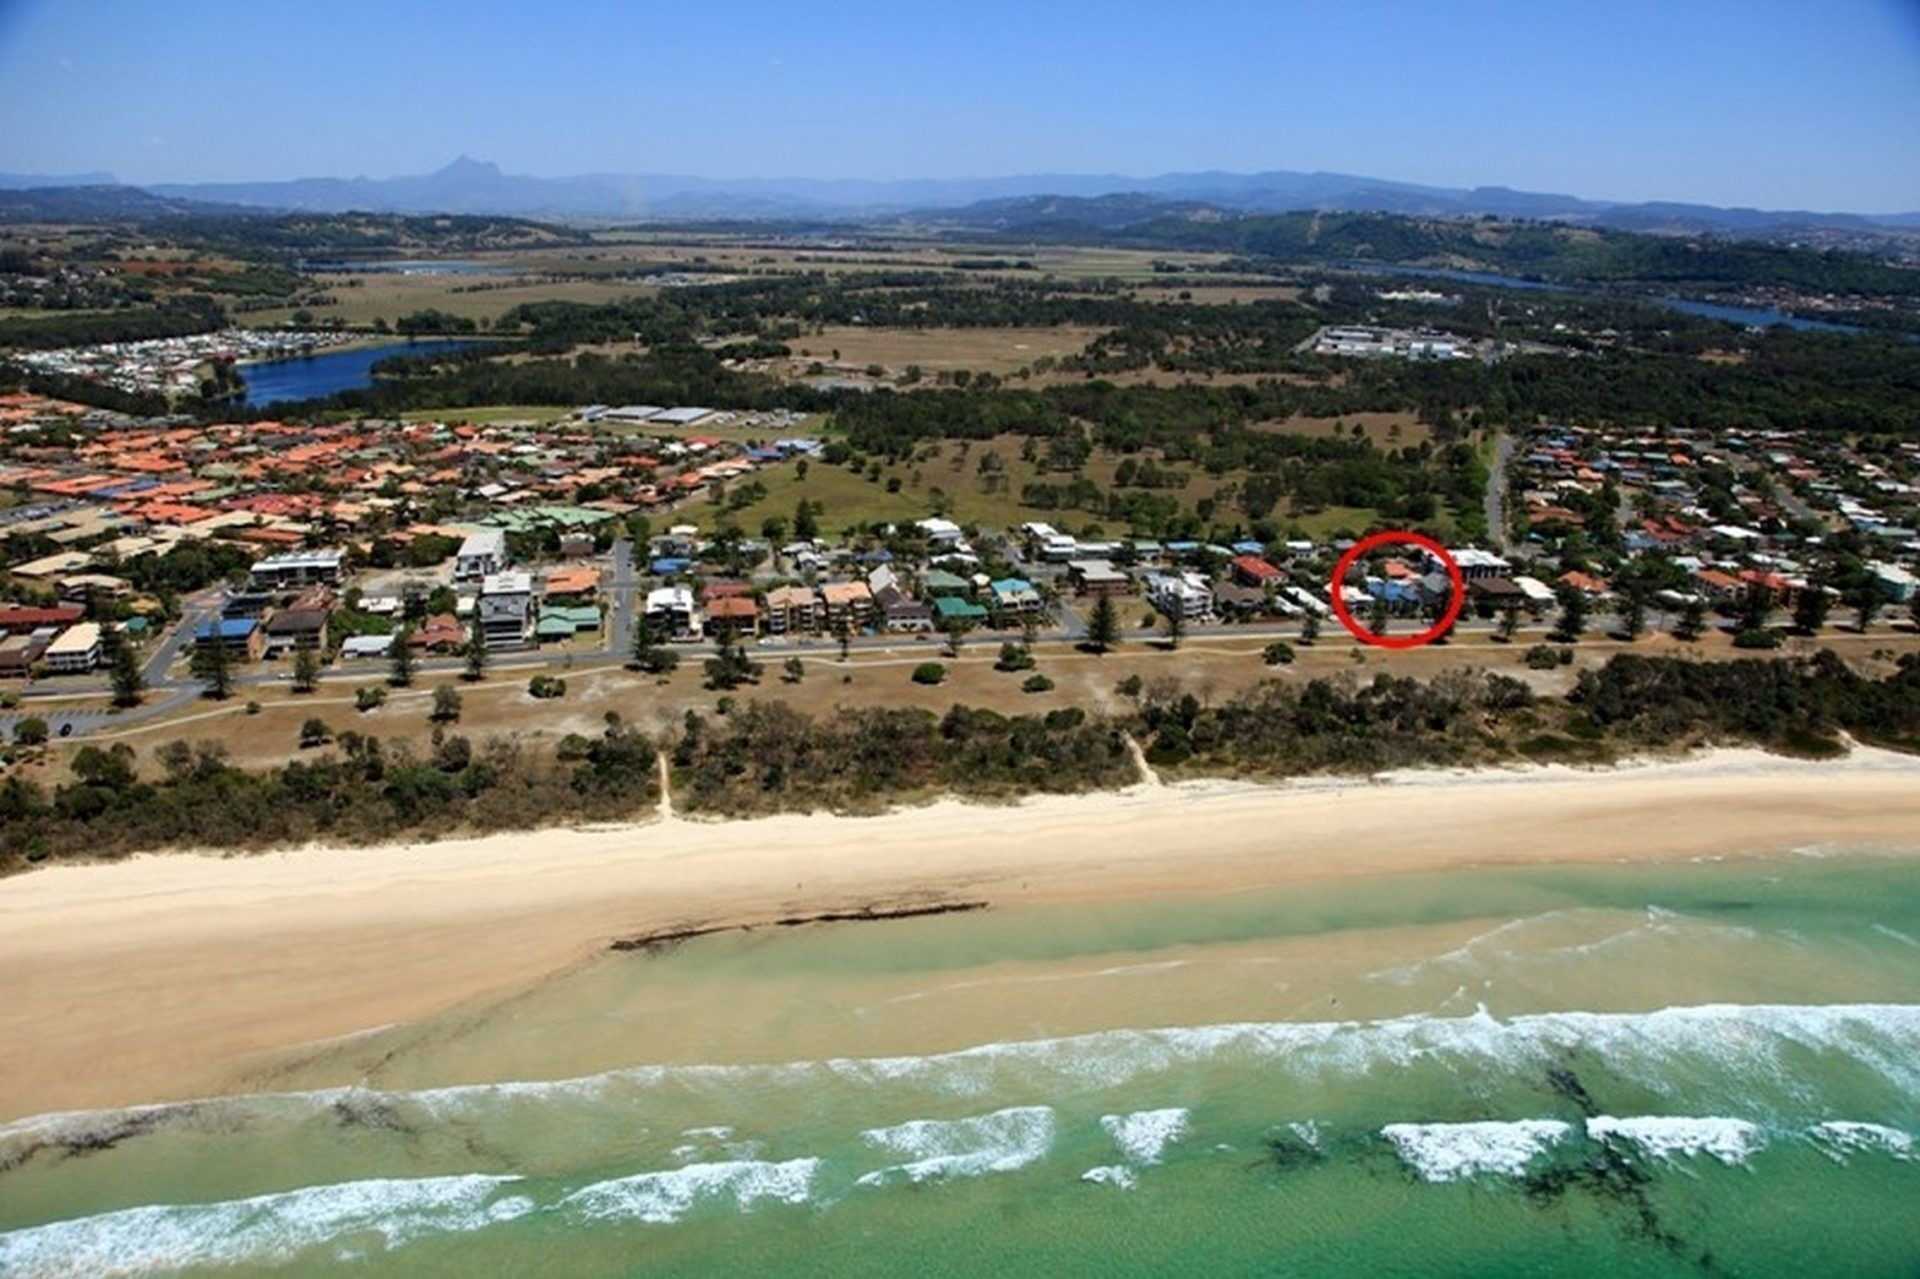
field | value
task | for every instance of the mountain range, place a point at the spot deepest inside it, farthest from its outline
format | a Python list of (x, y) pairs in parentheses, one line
[(474, 186)]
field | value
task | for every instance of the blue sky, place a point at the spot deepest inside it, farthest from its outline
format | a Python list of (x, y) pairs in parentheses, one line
[(1806, 105)]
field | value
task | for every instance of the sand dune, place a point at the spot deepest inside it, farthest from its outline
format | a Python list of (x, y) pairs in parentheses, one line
[(164, 977)]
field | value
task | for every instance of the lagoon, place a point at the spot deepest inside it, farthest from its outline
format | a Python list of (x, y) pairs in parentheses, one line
[(311, 377)]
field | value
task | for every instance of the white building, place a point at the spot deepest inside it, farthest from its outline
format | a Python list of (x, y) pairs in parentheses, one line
[(482, 554), (76, 651), (671, 613), (295, 569), (1187, 595)]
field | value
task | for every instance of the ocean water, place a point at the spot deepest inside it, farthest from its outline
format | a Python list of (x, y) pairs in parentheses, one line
[(1698, 1069)]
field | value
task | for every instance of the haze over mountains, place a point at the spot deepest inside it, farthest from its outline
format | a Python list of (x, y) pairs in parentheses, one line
[(478, 187)]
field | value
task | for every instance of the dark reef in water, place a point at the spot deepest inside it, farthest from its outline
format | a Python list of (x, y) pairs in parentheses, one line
[(656, 942), (92, 1141)]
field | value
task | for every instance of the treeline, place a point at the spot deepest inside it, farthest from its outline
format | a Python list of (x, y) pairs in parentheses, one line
[(768, 757), (1539, 251), (176, 317), (359, 790)]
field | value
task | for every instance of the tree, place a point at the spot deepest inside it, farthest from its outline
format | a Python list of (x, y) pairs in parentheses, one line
[(31, 731), (1176, 624), (314, 733), (805, 526), (1310, 628), (796, 670), (1573, 614), (306, 669), (446, 704), (476, 665), (730, 667), (1693, 619), (1509, 622), (1103, 626), (1913, 610), (1865, 599), (1810, 609), (400, 659), (1377, 617), (213, 667), (929, 673), (128, 682), (956, 630), (1633, 614)]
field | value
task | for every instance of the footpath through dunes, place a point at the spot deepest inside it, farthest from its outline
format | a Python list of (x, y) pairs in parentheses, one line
[(175, 976)]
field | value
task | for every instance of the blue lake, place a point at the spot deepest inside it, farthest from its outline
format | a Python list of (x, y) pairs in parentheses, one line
[(312, 377)]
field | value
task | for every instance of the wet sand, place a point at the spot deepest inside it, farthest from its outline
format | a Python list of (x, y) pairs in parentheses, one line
[(170, 976)]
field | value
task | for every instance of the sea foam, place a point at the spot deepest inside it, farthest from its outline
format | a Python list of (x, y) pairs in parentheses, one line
[(1731, 1141), (659, 1198), (1840, 1137), (264, 1230), (1003, 1141), (1448, 1152), (1144, 1135)]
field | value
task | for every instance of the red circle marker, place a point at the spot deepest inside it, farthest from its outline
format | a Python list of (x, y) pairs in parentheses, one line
[(1395, 537)]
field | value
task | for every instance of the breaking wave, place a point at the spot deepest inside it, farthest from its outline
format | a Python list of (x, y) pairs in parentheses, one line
[(1003, 1141)]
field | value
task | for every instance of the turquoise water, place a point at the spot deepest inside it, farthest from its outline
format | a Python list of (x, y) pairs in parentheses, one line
[(1704, 1069)]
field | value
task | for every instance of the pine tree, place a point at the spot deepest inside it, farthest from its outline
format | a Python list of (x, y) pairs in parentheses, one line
[(476, 650), (306, 669), (1810, 610), (212, 666), (1509, 621), (1310, 628), (1176, 629), (1103, 627), (400, 659), (1693, 620), (128, 681)]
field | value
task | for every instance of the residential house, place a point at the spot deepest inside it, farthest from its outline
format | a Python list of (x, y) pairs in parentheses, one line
[(1188, 595), (1016, 596), (25, 620), (1251, 570), (1098, 577), (736, 615), (18, 653), (291, 629)]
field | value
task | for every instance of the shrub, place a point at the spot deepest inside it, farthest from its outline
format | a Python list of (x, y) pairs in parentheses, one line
[(547, 686), (253, 708), (1036, 684), (370, 697), (929, 673), (1545, 657), (1014, 657), (31, 731), (446, 704), (1757, 639), (1279, 653), (314, 733), (1130, 686)]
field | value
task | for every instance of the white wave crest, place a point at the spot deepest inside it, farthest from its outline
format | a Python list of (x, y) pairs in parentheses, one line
[(1119, 1176), (1003, 1141), (264, 1230), (1731, 1141), (1144, 1135), (1840, 1137), (1747, 1045), (1448, 1152), (659, 1198)]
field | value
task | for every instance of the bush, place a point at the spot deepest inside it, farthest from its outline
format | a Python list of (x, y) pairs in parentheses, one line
[(446, 704), (1130, 686), (1014, 657), (929, 673), (1545, 657), (547, 686), (31, 731), (1758, 639), (370, 697), (253, 708), (1279, 653), (1036, 684), (314, 733)]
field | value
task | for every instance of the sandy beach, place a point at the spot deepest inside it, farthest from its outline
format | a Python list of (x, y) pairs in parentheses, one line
[(163, 977)]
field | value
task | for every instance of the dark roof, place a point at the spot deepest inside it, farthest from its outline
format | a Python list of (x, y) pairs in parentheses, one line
[(297, 621)]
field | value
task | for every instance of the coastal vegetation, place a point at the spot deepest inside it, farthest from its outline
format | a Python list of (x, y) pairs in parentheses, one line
[(764, 756)]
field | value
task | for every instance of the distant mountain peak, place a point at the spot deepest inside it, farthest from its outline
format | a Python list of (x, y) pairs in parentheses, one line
[(466, 166)]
